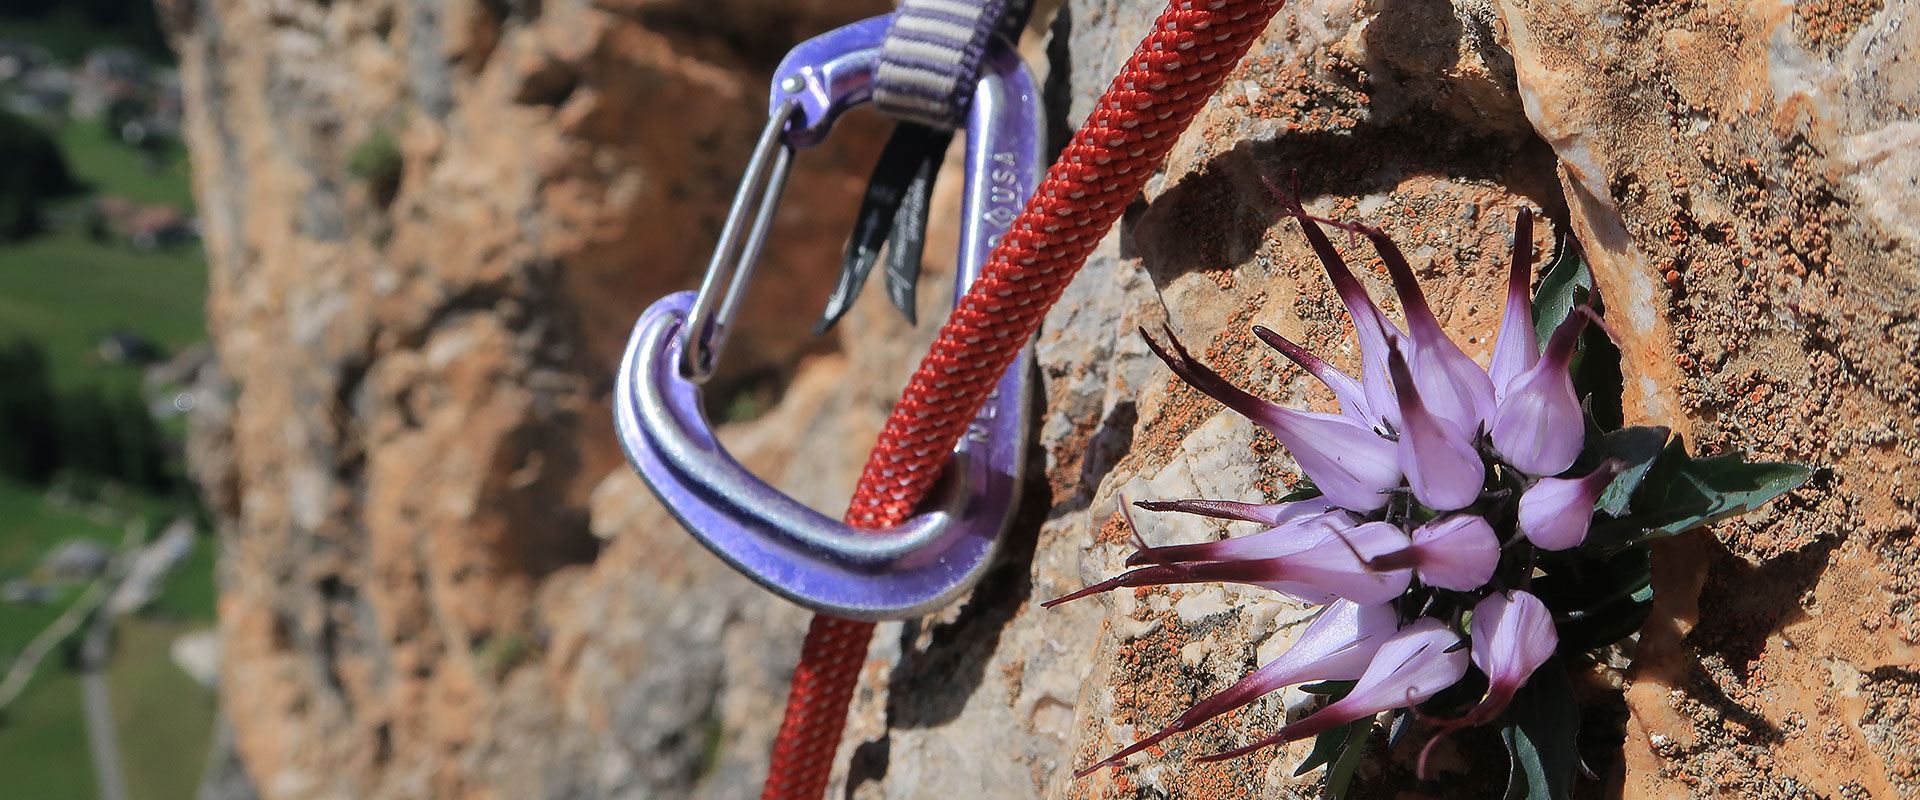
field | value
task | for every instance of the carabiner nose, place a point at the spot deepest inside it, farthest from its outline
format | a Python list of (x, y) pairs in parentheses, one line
[(817, 82), (796, 552)]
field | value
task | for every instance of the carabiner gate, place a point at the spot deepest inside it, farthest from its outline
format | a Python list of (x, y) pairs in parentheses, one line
[(796, 552)]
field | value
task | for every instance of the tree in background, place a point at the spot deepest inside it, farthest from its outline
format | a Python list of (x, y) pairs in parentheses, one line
[(30, 448), (89, 432), (142, 448), (36, 173), (130, 22)]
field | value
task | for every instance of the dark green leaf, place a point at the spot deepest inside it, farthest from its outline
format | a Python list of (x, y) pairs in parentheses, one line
[(1596, 374), (1336, 689), (1326, 748), (1340, 775), (1567, 283), (1606, 623), (1595, 367), (1639, 447), (1596, 602), (1680, 493), (1539, 729), (1305, 491)]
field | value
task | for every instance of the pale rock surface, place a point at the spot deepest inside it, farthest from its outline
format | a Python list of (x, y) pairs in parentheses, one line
[(438, 580)]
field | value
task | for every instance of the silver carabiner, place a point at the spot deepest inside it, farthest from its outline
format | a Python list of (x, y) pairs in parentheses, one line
[(794, 551), (818, 81), (736, 254)]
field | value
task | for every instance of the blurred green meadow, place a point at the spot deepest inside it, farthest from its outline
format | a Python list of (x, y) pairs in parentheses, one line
[(78, 283)]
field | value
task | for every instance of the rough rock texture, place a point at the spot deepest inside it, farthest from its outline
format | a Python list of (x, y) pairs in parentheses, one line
[(431, 225), (440, 582)]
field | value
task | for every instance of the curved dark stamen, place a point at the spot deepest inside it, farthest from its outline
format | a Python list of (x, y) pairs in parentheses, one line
[(1247, 572), (1348, 390), (1216, 509), (1201, 377)]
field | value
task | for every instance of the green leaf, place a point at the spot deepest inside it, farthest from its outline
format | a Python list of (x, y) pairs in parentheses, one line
[(1595, 367), (1340, 775), (1326, 748), (1306, 491), (1680, 493), (1608, 603), (1596, 374), (1567, 283), (1539, 729), (1336, 689), (1596, 602), (1639, 447)]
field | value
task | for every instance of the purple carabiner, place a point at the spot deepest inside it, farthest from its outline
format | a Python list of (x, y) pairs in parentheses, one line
[(794, 551)]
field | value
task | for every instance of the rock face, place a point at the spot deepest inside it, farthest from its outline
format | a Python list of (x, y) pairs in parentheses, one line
[(430, 226), (439, 581)]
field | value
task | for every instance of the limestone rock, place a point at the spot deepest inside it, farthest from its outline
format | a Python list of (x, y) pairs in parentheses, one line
[(430, 227)]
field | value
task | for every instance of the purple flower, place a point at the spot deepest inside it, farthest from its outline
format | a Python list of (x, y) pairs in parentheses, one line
[(1556, 512), (1445, 471), (1411, 666), (1314, 558), (1336, 646), (1513, 635), (1288, 537), (1340, 564), (1350, 463), (1516, 350), (1419, 434), (1352, 396), (1369, 325), (1456, 390), (1243, 559), (1539, 428), (1457, 552), (1269, 513)]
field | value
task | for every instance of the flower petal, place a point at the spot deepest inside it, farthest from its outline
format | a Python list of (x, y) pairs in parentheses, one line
[(1414, 664), (1458, 552), (1516, 349), (1268, 513), (1352, 396), (1538, 427), (1337, 645), (1341, 564), (1512, 636), (1555, 513), (1370, 326), (1456, 390), (1263, 573), (1445, 471), (1350, 463), (1281, 540)]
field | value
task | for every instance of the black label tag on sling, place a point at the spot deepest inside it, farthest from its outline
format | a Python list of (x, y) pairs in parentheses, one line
[(893, 217)]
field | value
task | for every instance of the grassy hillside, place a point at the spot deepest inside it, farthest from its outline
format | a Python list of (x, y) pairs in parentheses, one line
[(66, 290), (114, 168), (43, 741), (151, 697)]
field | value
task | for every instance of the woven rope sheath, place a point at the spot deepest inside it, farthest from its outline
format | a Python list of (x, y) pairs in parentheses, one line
[(1170, 76), (1179, 65)]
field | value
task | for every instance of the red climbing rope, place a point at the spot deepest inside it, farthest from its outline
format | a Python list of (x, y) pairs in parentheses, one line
[(1180, 64)]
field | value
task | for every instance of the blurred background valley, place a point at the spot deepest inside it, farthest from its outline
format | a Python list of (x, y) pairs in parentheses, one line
[(106, 555)]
